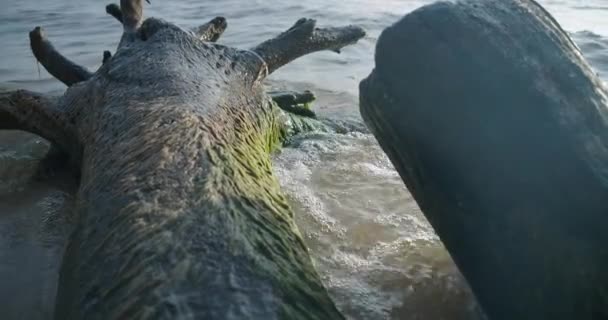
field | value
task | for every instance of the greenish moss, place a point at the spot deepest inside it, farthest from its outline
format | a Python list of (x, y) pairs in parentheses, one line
[(289, 124), (251, 195)]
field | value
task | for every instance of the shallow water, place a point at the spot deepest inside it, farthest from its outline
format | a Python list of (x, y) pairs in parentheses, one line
[(375, 251)]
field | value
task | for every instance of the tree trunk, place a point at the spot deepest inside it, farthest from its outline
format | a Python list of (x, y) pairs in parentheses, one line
[(498, 127), (178, 214)]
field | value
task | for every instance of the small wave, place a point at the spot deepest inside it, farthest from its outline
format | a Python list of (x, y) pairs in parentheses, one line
[(590, 41), (586, 34), (595, 50)]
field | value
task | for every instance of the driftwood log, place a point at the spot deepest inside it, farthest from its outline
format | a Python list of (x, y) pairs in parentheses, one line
[(178, 214), (499, 128)]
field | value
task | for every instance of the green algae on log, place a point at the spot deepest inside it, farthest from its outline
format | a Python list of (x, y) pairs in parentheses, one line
[(499, 128), (178, 213)]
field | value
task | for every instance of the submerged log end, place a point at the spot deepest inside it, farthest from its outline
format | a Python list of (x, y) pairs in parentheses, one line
[(292, 97), (297, 103), (37, 114)]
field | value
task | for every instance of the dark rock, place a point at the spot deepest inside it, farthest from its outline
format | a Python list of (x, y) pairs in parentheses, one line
[(498, 127)]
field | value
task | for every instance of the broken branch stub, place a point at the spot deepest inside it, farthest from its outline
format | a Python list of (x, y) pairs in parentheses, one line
[(212, 30), (107, 55), (114, 10)]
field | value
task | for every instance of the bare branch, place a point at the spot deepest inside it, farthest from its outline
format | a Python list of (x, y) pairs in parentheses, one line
[(114, 10), (35, 113), (304, 38), (212, 30), (56, 64), (107, 55)]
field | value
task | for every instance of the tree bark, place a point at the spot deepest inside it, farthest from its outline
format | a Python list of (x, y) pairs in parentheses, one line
[(304, 38), (498, 127)]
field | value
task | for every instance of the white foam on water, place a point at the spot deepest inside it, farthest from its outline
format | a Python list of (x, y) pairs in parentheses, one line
[(295, 176), (370, 242)]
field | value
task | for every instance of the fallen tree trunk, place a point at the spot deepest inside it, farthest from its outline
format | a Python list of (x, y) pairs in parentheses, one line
[(498, 127), (178, 214)]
